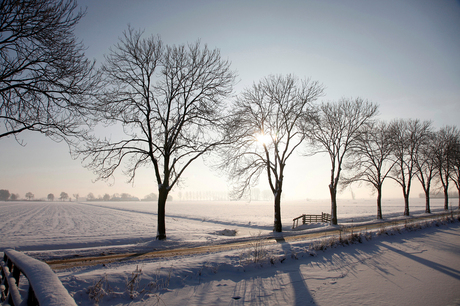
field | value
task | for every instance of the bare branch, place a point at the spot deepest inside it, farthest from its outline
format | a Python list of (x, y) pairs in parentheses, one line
[(408, 137), (44, 75), (336, 130), (169, 100), (275, 107)]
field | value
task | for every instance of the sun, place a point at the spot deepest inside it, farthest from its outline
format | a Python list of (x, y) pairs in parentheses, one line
[(263, 138)]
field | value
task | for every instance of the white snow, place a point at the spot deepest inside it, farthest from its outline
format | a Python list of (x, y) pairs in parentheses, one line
[(46, 285), (412, 268)]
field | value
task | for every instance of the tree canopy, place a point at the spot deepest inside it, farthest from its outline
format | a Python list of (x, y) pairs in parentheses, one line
[(44, 73), (169, 101)]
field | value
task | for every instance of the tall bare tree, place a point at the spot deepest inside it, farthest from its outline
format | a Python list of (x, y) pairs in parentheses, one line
[(370, 160), (335, 131), (426, 166), (408, 136), (265, 128), (445, 158), (169, 100), (44, 73), (455, 173)]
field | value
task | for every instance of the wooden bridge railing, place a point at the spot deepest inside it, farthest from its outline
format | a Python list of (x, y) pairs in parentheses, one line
[(324, 217), (45, 288)]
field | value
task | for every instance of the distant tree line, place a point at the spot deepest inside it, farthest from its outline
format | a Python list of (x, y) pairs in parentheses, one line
[(115, 197), (5, 196), (212, 195), (440, 195)]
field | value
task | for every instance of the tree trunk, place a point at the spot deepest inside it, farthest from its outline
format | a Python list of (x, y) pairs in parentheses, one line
[(379, 203), (277, 224), (427, 202), (406, 204), (162, 196), (446, 198), (333, 192), (458, 189)]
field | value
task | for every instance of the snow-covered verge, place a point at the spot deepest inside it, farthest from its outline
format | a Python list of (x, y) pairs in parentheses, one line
[(417, 265)]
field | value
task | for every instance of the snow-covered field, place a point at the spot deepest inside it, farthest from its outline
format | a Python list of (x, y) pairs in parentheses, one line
[(28, 226), (413, 268)]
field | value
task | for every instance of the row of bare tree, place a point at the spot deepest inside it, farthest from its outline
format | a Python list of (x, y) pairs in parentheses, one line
[(5, 196), (172, 104), (404, 150)]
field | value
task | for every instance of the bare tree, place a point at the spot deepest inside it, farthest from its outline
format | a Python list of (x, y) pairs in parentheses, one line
[(150, 197), (455, 173), (335, 131), (370, 159), (265, 128), (4, 194), (76, 196), (408, 136), (90, 197), (51, 197), (30, 195), (64, 196), (445, 158), (169, 100), (43, 70), (426, 166)]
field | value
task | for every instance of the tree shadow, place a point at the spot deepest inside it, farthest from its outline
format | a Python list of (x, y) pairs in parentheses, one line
[(302, 295), (434, 265)]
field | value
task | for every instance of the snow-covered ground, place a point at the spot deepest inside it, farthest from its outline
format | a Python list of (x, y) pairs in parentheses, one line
[(410, 268), (28, 226)]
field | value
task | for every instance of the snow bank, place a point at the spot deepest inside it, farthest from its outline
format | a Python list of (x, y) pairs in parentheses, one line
[(46, 285)]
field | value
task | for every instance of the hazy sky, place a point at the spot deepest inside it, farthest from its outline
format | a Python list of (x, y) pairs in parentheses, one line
[(403, 55)]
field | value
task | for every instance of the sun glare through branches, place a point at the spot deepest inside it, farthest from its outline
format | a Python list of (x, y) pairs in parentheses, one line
[(263, 139)]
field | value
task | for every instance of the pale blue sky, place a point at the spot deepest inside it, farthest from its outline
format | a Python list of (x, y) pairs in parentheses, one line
[(403, 55)]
